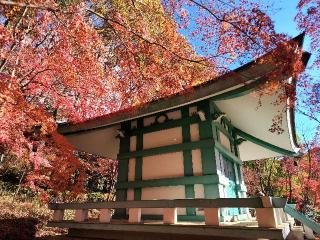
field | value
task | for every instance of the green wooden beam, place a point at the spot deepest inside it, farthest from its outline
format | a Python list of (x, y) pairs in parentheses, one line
[(207, 143), (187, 158), (265, 144), (207, 179), (223, 130), (138, 166), (206, 133), (166, 125), (121, 195), (290, 209), (225, 152)]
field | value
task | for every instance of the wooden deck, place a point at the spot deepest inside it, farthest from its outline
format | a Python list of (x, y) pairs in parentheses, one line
[(121, 229), (272, 222)]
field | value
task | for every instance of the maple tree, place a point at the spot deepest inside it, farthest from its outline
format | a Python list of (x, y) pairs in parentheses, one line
[(294, 178), (74, 60), (308, 18)]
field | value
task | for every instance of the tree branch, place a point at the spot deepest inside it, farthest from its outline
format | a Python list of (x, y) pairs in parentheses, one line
[(146, 40), (223, 20), (308, 115)]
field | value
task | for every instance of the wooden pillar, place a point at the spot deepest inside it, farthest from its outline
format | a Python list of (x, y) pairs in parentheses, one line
[(170, 215), (187, 158), (58, 215), (208, 160), (81, 215), (105, 216), (211, 216), (134, 215), (121, 194), (266, 216), (139, 162)]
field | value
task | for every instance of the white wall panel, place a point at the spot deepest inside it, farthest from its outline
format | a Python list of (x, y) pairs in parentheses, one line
[(130, 194), (162, 138), (224, 140), (131, 169), (101, 141), (167, 165), (196, 162), (133, 143), (194, 132)]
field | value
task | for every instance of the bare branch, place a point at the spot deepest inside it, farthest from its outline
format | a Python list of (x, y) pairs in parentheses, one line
[(200, 61), (223, 20), (308, 115)]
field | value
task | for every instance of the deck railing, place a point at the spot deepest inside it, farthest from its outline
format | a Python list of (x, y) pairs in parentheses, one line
[(269, 211)]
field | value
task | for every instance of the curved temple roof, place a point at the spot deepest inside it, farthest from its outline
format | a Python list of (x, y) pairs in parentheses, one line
[(230, 93)]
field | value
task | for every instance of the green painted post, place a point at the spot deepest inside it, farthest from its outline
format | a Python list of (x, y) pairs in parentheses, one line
[(207, 153), (139, 162), (187, 159), (121, 194)]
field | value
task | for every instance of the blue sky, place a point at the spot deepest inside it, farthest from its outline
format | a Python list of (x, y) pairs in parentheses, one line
[(283, 17)]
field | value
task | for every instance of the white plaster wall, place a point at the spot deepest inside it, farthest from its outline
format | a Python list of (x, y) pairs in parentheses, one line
[(196, 162), (245, 114), (131, 169), (198, 191), (224, 140), (194, 132), (249, 151), (133, 143), (101, 141), (167, 165), (162, 138), (167, 192), (130, 194)]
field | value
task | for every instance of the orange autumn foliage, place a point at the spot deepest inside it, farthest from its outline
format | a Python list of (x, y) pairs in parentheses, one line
[(74, 60)]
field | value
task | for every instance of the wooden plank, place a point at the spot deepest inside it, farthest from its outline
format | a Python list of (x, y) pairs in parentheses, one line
[(195, 230), (177, 203)]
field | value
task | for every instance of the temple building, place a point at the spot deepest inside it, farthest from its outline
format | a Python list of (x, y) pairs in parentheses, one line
[(193, 145)]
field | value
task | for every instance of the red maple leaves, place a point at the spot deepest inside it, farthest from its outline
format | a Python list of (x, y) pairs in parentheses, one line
[(70, 61)]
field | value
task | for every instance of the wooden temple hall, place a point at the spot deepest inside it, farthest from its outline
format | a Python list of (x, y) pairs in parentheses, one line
[(180, 162)]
